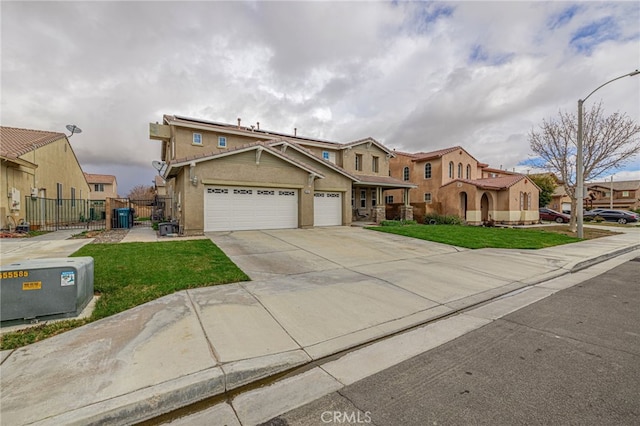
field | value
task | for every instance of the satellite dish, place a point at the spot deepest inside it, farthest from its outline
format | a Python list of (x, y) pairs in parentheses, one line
[(158, 165), (73, 129)]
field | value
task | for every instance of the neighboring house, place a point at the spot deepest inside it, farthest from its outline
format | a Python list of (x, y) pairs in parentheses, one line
[(452, 182), (159, 186), (231, 177), (102, 186), (626, 195), (38, 165)]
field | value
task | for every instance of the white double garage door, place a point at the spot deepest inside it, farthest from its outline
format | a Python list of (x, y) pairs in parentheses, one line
[(236, 208)]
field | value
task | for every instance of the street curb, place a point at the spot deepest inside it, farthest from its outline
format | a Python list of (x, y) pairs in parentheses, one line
[(602, 258), (158, 400)]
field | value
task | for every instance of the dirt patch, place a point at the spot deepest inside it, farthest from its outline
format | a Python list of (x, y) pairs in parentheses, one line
[(589, 233), (103, 237)]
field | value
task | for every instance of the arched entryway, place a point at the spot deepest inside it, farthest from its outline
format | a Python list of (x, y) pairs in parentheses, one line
[(463, 205), (484, 208)]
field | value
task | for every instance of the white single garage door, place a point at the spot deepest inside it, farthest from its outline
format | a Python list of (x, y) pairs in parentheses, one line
[(230, 208), (327, 209)]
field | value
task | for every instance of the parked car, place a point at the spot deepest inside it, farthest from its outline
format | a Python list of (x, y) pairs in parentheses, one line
[(548, 214), (620, 216)]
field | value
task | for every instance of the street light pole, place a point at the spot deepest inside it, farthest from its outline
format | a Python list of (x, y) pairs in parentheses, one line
[(580, 156)]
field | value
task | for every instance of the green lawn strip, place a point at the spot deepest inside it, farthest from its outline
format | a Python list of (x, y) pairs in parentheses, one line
[(130, 274), (476, 237)]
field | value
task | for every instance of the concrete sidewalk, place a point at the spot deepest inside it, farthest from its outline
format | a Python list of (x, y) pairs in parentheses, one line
[(315, 293)]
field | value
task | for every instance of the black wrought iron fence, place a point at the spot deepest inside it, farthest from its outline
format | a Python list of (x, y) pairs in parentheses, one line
[(51, 214)]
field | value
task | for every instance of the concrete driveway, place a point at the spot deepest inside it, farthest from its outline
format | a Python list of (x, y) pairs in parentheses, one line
[(331, 287), (274, 253)]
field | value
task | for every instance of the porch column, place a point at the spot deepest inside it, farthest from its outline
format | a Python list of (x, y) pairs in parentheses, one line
[(378, 212), (406, 210)]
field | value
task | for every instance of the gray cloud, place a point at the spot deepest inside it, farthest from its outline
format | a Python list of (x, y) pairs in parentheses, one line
[(413, 75)]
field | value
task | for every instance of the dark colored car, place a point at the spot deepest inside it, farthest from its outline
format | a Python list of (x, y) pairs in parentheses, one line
[(620, 216), (548, 214)]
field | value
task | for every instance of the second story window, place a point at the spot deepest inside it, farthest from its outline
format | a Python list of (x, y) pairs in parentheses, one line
[(459, 170), (427, 197), (451, 169), (427, 171), (359, 162), (374, 164), (197, 139), (222, 142), (325, 155), (98, 187), (468, 171), (405, 173)]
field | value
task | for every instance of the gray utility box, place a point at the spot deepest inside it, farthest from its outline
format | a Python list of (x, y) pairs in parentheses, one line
[(167, 228), (45, 287)]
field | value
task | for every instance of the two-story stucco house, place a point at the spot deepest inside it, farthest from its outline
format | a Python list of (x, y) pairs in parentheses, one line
[(42, 180), (102, 186), (452, 182), (620, 195), (232, 177)]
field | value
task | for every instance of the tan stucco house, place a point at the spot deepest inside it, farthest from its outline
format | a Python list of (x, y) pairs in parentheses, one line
[(452, 182), (38, 165), (232, 177), (622, 195), (102, 186)]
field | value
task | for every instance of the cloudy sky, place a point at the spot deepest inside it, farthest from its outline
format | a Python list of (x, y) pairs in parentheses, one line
[(416, 76)]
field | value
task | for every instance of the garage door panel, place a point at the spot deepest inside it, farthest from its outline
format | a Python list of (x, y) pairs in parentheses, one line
[(246, 208), (327, 208)]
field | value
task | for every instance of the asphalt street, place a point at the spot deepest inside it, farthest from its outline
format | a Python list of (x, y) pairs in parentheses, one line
[(571, 358)]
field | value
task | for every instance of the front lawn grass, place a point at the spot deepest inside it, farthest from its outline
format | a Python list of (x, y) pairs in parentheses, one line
[(475, 237), (130, 274)]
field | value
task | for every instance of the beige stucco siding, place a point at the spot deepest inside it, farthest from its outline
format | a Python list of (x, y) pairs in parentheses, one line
[(184, 146), (367, 152), (57, 163), (241, 170)]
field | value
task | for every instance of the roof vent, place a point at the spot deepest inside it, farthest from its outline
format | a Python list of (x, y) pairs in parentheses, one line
[(239, 122)]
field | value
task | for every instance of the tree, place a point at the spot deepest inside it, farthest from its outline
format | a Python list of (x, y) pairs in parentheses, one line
[(547, 184), (141, 192), (608, 143)]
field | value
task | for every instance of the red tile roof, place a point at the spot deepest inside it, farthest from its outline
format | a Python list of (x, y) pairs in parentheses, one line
[(95, 178), (384, 181), (421, 156), (17, 142)]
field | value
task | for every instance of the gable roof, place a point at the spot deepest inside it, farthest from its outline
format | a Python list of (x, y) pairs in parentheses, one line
[(311, 155), (424, 156), (367, 140), (181, 162), (97, 178), (622, 185), (17, 141)]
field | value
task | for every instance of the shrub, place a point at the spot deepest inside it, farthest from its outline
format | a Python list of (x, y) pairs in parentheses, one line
[(588, 219), (438, 219), (598, 219)]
